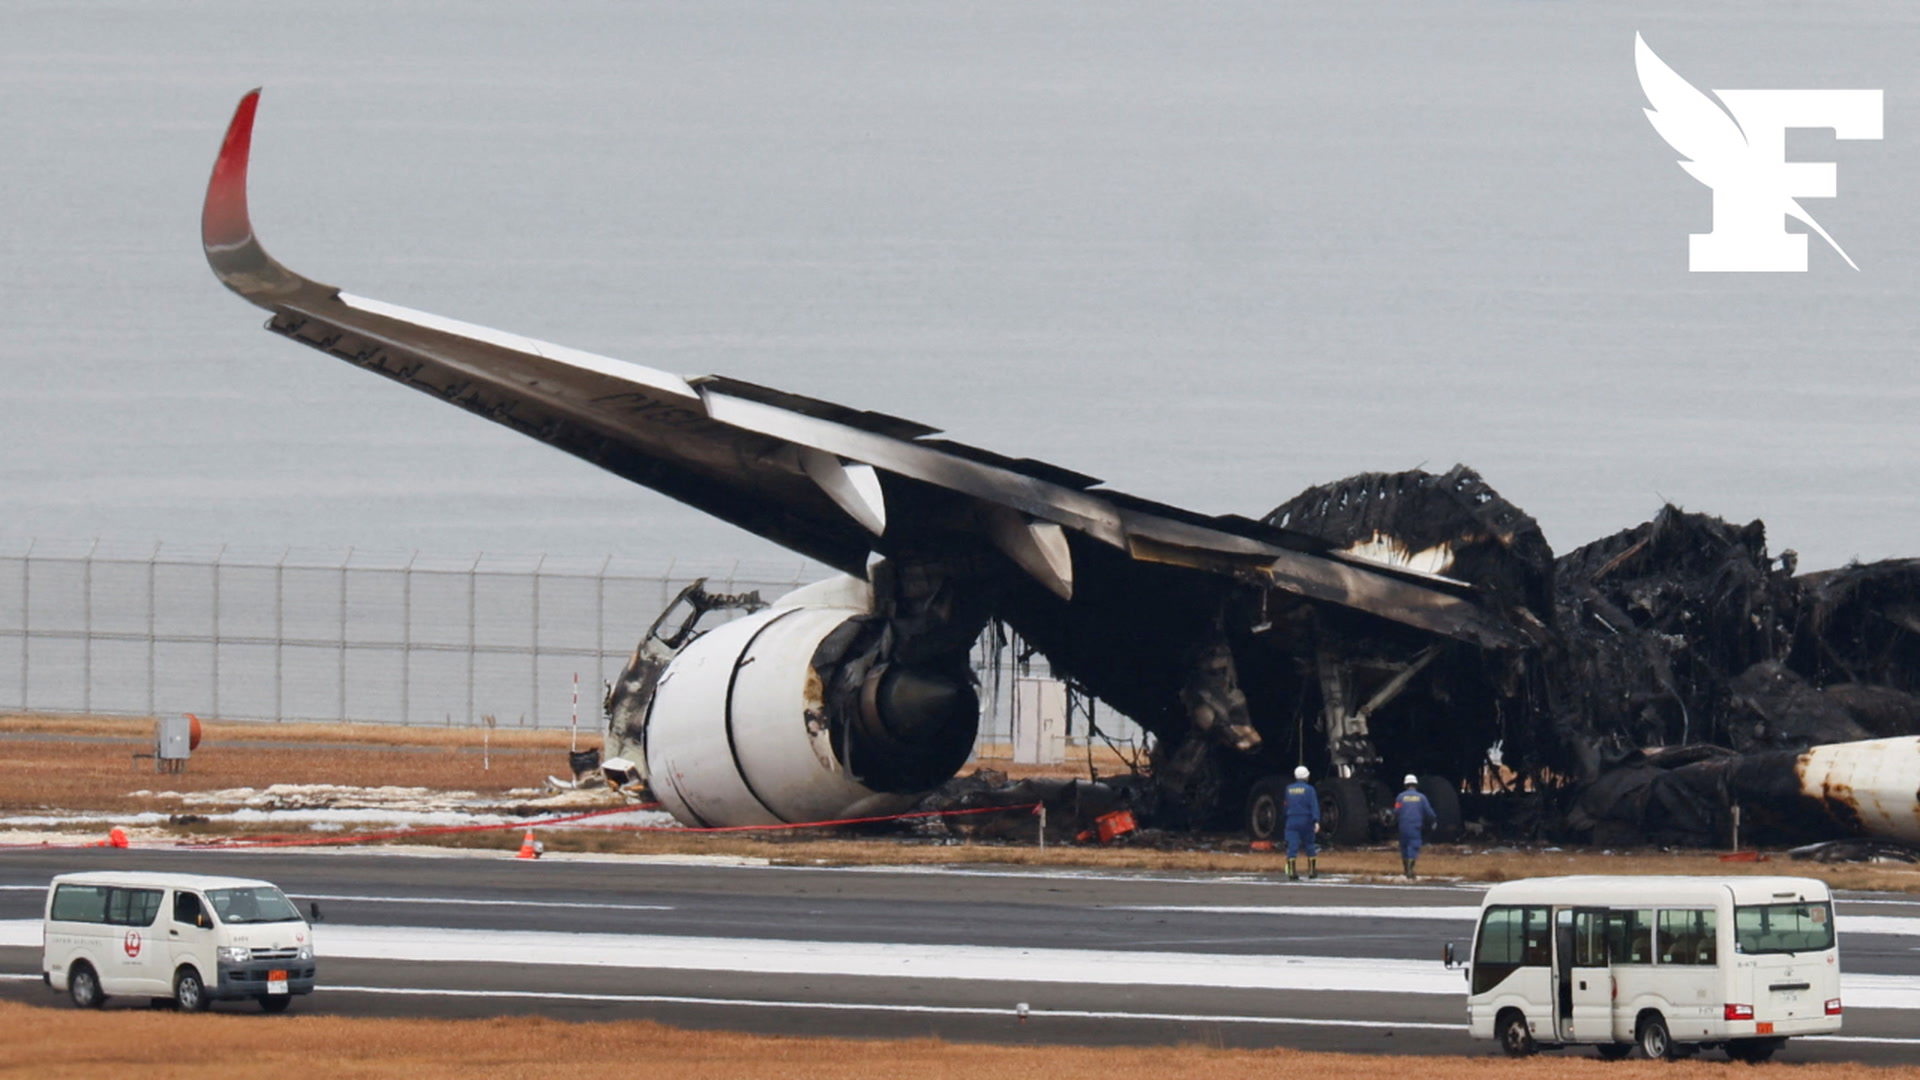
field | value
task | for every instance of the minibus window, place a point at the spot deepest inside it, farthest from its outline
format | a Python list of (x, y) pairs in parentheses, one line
[(133, 907), (1630, 936), (1687, 937), (1783, 928), (80, 903), (1510, 938)]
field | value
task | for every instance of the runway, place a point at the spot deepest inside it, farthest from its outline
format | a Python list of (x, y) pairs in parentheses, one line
[(1094, 957)]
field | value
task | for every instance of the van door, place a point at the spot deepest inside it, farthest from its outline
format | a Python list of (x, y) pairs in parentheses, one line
[(138, 959), (191, 938), (1591, 978)]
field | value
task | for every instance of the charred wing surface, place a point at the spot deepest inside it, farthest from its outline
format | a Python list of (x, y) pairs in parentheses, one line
[(1145, 602)]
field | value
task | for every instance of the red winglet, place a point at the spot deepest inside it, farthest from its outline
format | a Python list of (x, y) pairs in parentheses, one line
[(224, 222)]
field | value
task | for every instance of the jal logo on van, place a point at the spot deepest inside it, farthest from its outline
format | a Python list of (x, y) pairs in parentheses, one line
[(133, 943)]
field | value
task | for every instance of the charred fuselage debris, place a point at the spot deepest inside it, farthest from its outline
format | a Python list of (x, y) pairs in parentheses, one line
[(1679, 671)]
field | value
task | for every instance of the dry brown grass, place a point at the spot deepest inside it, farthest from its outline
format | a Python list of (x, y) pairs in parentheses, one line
[(96, 776), (55, 1044)]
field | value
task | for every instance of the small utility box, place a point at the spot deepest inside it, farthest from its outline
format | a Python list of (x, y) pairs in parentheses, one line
[(173, 743), (1040, 724)]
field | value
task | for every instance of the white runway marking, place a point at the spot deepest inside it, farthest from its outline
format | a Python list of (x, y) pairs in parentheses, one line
[(853, 1006), (463, 902)]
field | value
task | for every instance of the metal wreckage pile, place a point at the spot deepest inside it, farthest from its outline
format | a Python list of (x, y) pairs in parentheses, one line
[(1680, 676)]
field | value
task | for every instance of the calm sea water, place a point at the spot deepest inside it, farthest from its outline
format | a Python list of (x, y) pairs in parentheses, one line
[(1213, 253)]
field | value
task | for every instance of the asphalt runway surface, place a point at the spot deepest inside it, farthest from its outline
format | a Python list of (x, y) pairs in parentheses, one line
[(1096, 957)]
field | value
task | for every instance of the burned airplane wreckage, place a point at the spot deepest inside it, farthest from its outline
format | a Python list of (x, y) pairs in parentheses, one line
[(1638, 688)]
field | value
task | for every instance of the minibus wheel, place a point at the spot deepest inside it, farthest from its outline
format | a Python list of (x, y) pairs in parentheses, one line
[(83, 986), (188, 991), (1656, 1043), (1511, 1031)]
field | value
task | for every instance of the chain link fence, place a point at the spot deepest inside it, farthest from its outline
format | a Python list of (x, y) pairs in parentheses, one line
[(371, 637)]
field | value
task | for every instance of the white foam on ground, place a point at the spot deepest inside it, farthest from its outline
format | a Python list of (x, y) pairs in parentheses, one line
[(1892, 925)]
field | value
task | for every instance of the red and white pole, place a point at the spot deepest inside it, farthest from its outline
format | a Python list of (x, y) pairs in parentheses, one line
[(573, 736)]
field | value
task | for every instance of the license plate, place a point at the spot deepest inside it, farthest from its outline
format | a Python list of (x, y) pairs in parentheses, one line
[(276, 982), (1764, 1027)]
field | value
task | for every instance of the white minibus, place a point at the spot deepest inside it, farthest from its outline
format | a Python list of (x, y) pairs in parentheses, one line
[(1668, 965), (187, 938)]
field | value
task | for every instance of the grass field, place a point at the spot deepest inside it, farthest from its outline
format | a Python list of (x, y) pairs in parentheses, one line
[(57, 1044)]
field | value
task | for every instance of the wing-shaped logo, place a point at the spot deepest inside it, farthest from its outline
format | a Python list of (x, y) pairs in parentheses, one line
[(1718, 152)]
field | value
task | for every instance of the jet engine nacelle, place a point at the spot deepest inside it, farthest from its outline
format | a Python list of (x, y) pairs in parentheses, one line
[(741, 730)]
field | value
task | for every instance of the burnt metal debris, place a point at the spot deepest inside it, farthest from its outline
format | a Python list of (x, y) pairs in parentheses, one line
[(1680, 677)]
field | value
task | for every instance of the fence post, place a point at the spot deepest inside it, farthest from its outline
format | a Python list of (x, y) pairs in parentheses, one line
[(86, 638), (215, 696), (342, 689), (542, 561), (406, 639), (600, 624), (26, 626), (473, 643), (153, 636), (280, 634)]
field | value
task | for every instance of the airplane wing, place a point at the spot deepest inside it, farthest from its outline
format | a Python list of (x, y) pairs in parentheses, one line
[(833, 483)]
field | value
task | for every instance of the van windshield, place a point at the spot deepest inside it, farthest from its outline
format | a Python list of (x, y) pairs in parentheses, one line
[(1783, 928), (253, 904)]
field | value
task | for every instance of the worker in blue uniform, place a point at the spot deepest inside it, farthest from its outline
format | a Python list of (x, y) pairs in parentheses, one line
[(1303, 824), (1415, 812)]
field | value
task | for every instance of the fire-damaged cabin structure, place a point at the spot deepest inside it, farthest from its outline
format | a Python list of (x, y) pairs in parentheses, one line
[(1385, 624)]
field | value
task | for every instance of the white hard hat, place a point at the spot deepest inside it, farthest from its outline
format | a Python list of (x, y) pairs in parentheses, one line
[(1301, 773), (1411, 779)]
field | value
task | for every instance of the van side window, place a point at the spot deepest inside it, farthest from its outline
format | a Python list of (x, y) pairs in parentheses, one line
[(1630, 936), (133, 907), (80, 903), (1687, 937), (186, 908)]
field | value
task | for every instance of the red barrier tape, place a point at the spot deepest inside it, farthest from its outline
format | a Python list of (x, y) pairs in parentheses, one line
[(238, 843)]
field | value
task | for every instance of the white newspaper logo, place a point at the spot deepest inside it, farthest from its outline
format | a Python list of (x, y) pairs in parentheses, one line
[(1743, 158)]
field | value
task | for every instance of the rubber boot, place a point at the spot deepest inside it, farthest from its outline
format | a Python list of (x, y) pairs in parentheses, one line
[(1292, 874), (1406, 865), (1313, 867)]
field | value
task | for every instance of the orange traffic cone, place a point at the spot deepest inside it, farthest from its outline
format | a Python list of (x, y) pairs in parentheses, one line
[(529, 849), (117, 837)]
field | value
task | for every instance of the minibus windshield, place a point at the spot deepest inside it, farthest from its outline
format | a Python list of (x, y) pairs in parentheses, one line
[(254, 904), (1783, 928)]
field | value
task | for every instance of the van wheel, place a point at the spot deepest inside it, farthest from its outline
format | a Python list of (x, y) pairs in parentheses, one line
[(83, 986), (275, 1003), (188, 991), (1753, 1051), (1656, 1043), (1511, 1032), (1614, 1051)]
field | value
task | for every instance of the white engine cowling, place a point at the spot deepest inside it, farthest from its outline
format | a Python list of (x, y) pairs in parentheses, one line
[(738, 732)]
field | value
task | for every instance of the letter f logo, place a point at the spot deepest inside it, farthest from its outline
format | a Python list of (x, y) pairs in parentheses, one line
[(1741, 153)]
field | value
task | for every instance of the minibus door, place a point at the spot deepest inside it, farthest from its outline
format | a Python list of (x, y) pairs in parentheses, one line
[(1589, 992)]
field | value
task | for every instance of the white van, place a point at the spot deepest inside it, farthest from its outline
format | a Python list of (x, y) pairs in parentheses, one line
[(187, 938), (1670, 965)]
